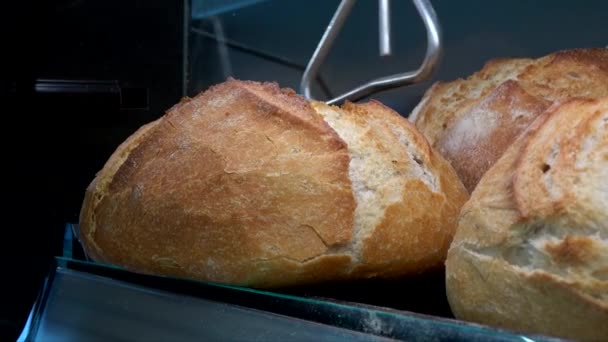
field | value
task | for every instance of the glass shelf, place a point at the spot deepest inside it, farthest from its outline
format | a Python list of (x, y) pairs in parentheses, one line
[(82, 299)]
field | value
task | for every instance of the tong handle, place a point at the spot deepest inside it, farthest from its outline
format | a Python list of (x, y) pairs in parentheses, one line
[(428, 66), (384, 27)]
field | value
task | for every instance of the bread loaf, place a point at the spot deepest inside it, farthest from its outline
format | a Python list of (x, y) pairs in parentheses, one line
[(472, 121), (251, 184), (531, 248)]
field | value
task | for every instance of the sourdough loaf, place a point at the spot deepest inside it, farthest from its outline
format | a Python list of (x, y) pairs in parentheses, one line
[(472, 121), (531, 248), (251, 184)]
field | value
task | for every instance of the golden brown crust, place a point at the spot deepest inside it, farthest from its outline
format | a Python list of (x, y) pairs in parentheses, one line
[(481, 135), (100, 184), (410, 238), (471, 121), (382, 113), (444, 102), (247, 184), (554, 169), (531, 252), (572, 250), (568, 73), (534, 198), (216, 168)]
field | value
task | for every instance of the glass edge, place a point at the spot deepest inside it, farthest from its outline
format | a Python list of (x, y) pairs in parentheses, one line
[(412, 317), (30, 328)]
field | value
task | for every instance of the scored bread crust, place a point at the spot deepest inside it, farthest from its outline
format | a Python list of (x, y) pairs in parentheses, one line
[(248, 184), (473, 121), (531, 248), (191, 197), (408, 196)]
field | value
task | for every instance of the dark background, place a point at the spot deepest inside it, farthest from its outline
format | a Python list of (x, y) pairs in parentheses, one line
[(124, 62), (121, 62)]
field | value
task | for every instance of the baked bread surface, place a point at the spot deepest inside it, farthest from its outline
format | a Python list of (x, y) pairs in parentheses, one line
[(250, 184), (472, 121), (531, 248)]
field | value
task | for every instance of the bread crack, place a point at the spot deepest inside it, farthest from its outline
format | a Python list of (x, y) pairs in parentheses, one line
[(551, 247), (316, 232)]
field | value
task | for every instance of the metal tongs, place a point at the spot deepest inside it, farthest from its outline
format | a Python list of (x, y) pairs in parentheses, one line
[(428, 66)]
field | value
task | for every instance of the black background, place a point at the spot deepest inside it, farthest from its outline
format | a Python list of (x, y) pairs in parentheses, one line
[(53, 143)]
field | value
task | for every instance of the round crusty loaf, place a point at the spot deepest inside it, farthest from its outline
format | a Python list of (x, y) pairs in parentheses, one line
[(531, 248), (250, 184), (472, 121)]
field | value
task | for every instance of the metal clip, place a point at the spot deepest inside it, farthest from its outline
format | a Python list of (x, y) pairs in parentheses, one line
[(428, 66)]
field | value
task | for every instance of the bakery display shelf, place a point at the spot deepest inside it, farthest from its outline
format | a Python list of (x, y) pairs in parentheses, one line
[(84, 300)]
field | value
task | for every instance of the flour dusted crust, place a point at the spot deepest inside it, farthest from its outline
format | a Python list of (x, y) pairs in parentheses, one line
[(479, 137), (396, 177), (473, 121), (531, 248), (251, 184)]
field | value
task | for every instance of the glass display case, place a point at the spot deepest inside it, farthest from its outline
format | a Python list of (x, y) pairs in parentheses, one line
[(87, 301), (201, 43), (275, 40)]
